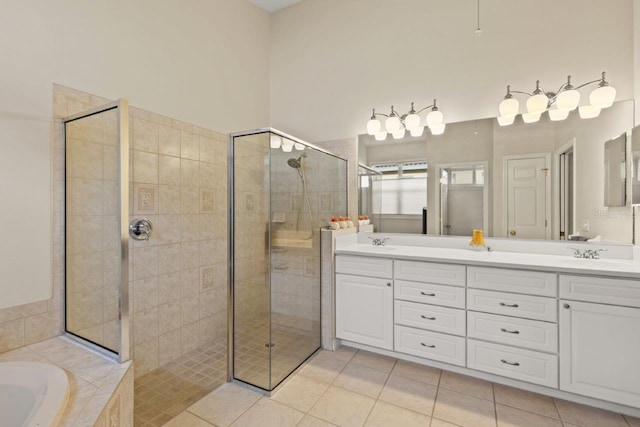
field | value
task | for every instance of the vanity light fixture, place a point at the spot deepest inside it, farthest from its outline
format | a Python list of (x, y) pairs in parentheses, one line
[(559, 104), (397, 125), (286, 144)]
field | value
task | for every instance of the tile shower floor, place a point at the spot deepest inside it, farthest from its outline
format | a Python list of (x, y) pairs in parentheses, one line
[(167, 391), (356, 388)]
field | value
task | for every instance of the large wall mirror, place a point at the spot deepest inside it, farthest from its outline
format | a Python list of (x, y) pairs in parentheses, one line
[(569, 179)]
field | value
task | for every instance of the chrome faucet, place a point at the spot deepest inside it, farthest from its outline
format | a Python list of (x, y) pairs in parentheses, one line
[(587, 253), (379, 242)]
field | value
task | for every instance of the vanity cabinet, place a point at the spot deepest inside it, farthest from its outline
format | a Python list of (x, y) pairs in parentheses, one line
[(577, 334), (364, 301), (430, 320), (600, 343)]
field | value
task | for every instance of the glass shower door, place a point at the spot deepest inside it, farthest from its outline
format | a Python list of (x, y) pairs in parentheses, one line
[(96, 144)]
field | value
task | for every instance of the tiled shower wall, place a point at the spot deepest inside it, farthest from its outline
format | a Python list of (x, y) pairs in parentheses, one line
[(178, 278), (251, 179), (295, 276)]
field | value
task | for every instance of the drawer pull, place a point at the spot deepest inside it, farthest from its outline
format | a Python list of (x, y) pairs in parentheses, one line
[(509, 331), (427, 317), (509, 363), (427, 345), (427, 294), (509, 305)]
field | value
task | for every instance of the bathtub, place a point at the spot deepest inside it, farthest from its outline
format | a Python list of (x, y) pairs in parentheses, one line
[(32, 394)]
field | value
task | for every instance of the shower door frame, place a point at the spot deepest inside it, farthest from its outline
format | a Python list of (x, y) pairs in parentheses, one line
[(122, 107), (231, 254)]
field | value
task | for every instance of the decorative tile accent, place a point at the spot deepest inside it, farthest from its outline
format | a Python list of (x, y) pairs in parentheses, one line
[(249, 202), (310, 266), (113, 413), (146, 199), (207, 201), (207, 277), (325, 202)]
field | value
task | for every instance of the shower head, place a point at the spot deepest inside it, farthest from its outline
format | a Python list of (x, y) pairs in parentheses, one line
[(296, 163)]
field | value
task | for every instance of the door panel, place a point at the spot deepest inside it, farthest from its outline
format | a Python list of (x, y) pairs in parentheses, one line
[(526, 198)]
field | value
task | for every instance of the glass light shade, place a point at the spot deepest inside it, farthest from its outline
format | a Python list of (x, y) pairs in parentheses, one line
[(275, 141), (415, 132), (537, 103), (602, 97), (412, 121), (509, 107), (398, 134), (557, 114), (298, 146), (373, 126), (589, 111), (392, 124), (437, 129), (531, 117), (568, 100), (435, 118), (287, 145), (381, 136), (506, 120)]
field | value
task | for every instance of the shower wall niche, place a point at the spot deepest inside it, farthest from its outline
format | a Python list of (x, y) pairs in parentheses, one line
[(282, 191)]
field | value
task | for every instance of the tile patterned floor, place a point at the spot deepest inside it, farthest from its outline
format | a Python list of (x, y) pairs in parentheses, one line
[(167, 391), (358, 388), (293, 339)]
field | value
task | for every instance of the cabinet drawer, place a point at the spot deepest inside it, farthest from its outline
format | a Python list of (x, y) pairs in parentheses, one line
[(525, 365), (432, 272), (529, 307), (430, 345), (600, 290), (364, 266), (526, 333), (431, 317), (431, 294), (519, 281)]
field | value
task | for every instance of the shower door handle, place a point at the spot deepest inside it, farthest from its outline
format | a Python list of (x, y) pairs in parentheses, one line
[(140, 229)]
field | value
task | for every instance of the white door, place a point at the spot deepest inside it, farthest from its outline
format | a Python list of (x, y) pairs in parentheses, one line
[(527, 197), (444, 202), (364, 310), (599, 347)]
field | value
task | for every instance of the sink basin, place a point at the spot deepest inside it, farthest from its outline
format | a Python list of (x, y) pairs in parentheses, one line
[(595, 263), (382, 248)]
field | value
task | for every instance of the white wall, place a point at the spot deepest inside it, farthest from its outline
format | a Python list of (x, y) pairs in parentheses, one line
[(334, 60), (636, 57), (202, 62)]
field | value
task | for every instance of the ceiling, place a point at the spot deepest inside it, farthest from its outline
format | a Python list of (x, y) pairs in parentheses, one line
[(274, 5)]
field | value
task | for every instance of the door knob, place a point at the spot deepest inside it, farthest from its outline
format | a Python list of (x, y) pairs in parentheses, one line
[(140, 229), (512, 232)]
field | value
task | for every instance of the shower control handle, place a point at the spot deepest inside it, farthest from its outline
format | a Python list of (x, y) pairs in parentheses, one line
[(140, 229)]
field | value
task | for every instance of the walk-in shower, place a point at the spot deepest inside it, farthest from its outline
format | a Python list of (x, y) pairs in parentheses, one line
[(281, 191)]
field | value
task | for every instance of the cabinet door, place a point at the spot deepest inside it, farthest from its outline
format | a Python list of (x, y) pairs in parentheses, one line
[(599, 347), (364, 310)]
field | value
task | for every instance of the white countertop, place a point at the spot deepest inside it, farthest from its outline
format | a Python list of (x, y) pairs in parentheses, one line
[(555, 263)]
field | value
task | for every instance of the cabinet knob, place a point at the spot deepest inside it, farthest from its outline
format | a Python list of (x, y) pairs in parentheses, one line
[(388, 283), (565, 305)]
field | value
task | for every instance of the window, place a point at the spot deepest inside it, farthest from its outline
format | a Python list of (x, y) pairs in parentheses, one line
[(402, 188), (467, 176)]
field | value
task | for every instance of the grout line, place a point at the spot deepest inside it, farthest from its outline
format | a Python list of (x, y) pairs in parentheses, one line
[(495, 407), (435, 398)]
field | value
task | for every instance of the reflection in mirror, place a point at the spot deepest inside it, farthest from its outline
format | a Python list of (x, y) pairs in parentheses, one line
[(615, 171), (542, 181), (635, 166), (463, 201), (366, 178)]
